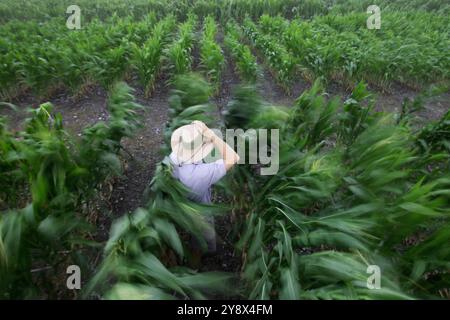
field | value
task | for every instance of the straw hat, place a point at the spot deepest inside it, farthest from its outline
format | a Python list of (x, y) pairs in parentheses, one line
[(189, 145)]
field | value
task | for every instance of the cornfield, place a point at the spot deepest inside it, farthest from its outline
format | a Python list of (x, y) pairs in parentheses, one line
[(363, 176)]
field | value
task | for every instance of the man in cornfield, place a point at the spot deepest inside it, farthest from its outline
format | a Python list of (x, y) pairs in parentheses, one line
[(191, 144)]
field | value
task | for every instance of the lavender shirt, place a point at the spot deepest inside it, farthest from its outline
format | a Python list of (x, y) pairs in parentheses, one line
[(199, 177)]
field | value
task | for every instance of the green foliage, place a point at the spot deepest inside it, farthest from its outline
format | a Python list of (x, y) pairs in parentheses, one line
[(312, 229), (244, 107), (179, 53), (341, 47), (60, 175), (211, 56), (147, 59), (281, 62), (117, 37), (356, 117), (189, 90), (246, 63), (37, 10), (39, 61), (270, 117), (312, 119), (435, 136), (10, 178), (100, 144)]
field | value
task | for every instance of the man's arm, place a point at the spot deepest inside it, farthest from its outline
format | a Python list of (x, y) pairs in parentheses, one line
[(230, 157)]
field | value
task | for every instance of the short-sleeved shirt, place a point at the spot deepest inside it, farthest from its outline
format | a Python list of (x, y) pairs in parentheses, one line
[(199, 177)]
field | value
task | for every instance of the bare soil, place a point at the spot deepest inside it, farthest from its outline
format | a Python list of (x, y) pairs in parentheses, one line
[(144, 150)]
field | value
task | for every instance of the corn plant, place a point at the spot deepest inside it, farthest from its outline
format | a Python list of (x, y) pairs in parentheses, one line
[(139, 32), (8, 75), (211, 55), (435, 136), (49, 223), (100, 145), (344, 208), (11, 179), (147, 59), (110, 66), (246, 63), (412, 56), (179, 53), (273, 25), (38, 68), (61, 174), (98, 53), (282, 64), (243, 108)]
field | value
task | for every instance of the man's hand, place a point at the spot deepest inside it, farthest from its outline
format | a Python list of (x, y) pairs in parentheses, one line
[(230, 157), (204, 130), (200, 125)]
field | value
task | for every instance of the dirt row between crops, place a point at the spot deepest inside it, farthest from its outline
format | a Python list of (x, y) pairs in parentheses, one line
[(227, 258)]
